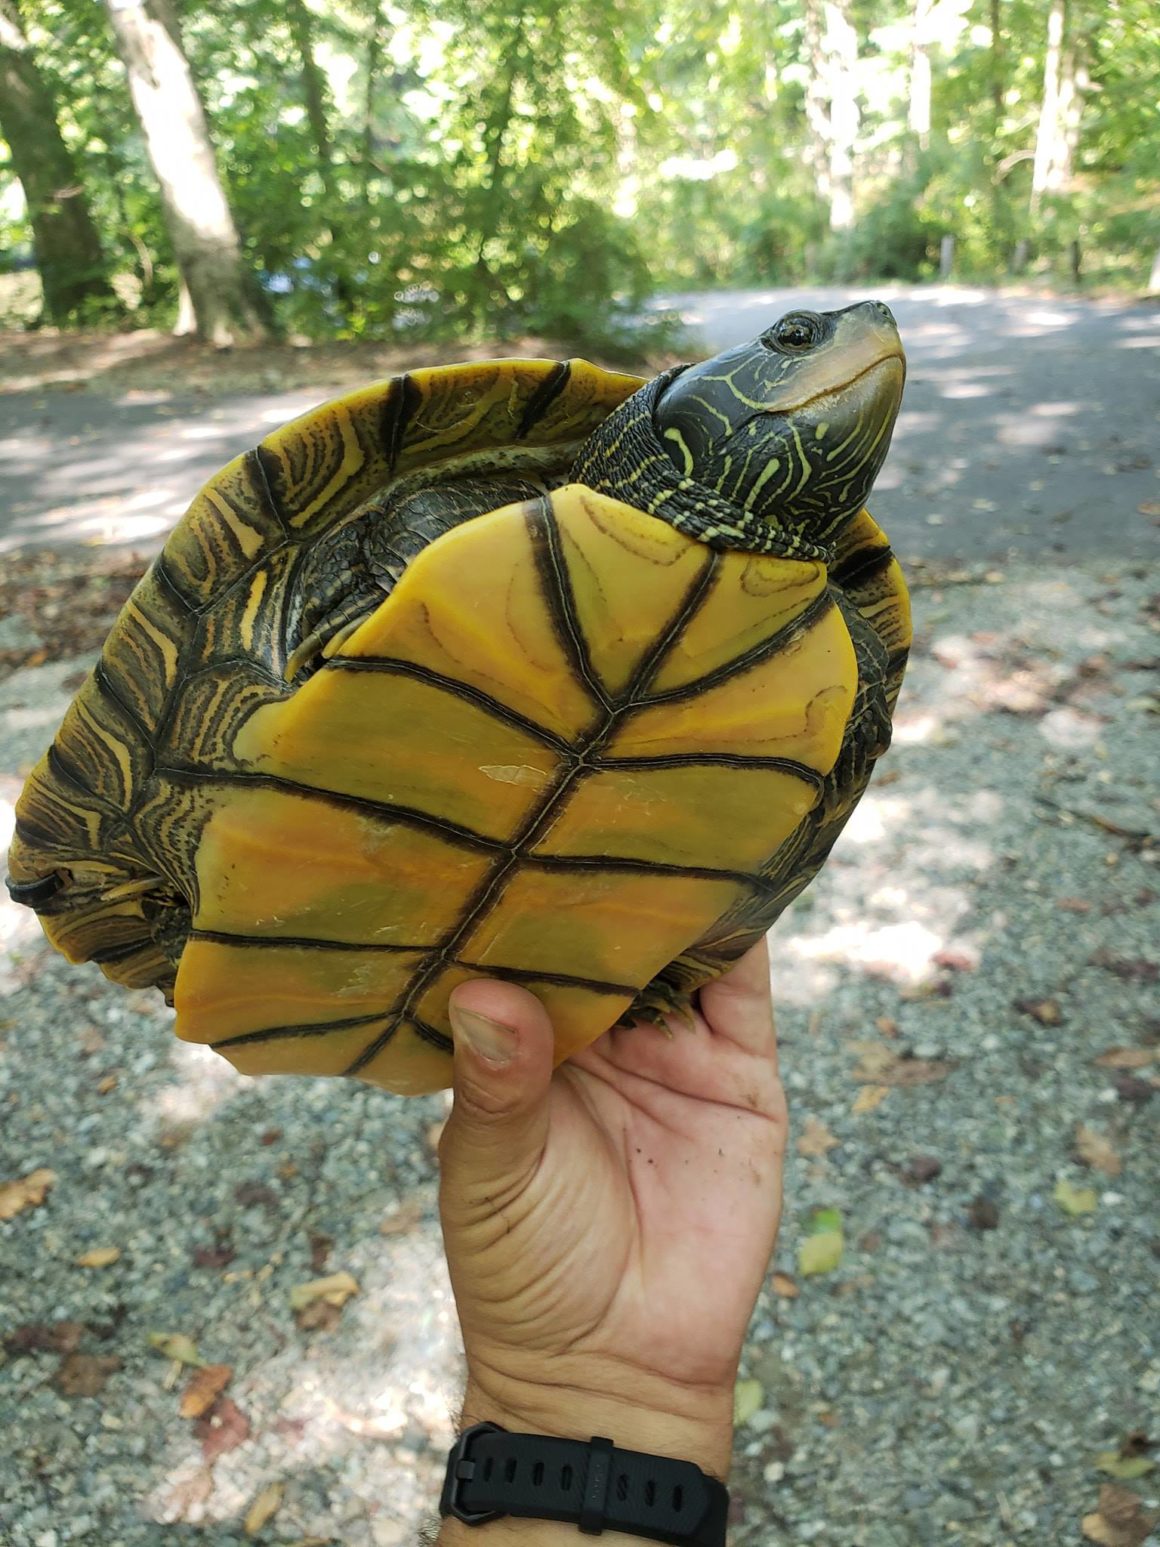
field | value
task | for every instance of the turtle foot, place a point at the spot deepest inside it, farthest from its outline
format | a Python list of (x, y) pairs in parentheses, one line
[(659, 1004)]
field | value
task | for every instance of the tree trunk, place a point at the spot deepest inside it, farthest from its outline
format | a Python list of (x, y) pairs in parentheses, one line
[(72, 265), (1154, 282), (1048, 149), (831, 106), (918, 108), (844, 115), (313, 92), (197, 213)]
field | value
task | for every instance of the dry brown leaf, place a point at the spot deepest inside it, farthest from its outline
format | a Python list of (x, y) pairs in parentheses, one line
[(785, 1286), (335, 1289), (869, 1097), (887, 1025), (815, 1138), (99, 1257), (1120, 1520), (184, 1500), (105, 1085), (265, 1506), (318, 1317), (37, 1337), (222, 1429), (1126, 1057), (203, 1389), (175, 1345), (26, 1192), (882, 1065), (84, 1375), (404, 1218), (874, 1058), (1046, 1011), (1097, 1151)]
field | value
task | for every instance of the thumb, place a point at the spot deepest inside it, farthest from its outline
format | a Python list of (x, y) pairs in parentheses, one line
[(503, 1068)]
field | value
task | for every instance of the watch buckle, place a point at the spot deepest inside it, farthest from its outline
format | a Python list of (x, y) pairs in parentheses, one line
[(461, 1469)]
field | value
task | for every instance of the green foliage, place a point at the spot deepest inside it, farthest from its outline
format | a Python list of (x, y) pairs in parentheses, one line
[(472, 168)]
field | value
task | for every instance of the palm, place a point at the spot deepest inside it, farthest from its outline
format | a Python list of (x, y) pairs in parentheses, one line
[(653, 1209)]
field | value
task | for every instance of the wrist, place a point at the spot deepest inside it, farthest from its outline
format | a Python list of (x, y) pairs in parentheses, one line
[(636, 1411)]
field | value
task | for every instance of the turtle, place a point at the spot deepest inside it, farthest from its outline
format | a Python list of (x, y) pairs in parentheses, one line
[(519, 668)]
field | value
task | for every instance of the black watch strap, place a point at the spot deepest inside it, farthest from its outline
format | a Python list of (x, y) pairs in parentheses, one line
[(592, 1484)]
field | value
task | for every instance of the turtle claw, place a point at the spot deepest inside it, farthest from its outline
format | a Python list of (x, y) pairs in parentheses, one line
[(659, 1004)]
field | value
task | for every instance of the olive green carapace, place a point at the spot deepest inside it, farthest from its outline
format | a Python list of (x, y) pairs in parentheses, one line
[(519, 668)]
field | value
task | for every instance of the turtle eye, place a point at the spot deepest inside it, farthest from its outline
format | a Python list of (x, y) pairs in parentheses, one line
[(796, 331)]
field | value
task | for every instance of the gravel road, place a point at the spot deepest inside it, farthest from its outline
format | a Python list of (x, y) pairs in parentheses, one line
[(971, 1047)]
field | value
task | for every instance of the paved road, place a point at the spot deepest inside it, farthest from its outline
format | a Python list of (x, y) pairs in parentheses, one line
[(1030, 425)]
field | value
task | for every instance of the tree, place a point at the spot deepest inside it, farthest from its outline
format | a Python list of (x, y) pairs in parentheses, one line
[(73, 270), (219, 303), (832, 105)]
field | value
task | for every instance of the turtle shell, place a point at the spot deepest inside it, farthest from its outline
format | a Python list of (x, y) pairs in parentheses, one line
[(569, 743), (109, 821), (574, 748)]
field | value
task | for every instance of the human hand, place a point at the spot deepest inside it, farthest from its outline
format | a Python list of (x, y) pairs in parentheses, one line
[(608, 1226)]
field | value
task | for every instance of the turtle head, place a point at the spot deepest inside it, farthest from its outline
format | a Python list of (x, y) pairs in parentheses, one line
[(793, 427)]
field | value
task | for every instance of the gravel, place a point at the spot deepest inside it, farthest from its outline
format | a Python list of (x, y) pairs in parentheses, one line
[(984, 933)]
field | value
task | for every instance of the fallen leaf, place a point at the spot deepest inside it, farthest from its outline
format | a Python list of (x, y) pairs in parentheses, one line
[(26, 1192), (821, 1251), (1149, 508), (52, 1337), (84, 1375), (318, 1317), (1075, 1200), (748, 1395), (983, 1213), (784, 1286), (882, 1065), (886, 1024), (1120, 1520), (1097, 1151), (869, 1097), (815, 1138), (105, 1085), (1124, 1468), (404, 1218), (203, 1389), (99, 1257), (219, 1255), (1045, 1011), (253, 1195), (265, 1506), (1073, 905), (175, 1345), (1133, 1090), (91, 1041), (956, 961), (922, 1168), (184, 1499), (335, 1289), (222, 1429), (1132, 969), (320, 1245), (1126, 1057)]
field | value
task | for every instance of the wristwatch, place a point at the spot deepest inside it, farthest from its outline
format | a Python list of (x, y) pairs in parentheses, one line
[(592, 1484)]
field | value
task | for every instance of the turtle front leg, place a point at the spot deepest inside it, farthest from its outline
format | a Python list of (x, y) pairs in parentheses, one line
[(657, 1002), (672, 994)]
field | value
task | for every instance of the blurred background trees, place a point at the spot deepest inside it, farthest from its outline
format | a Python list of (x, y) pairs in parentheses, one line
[(365, 168)]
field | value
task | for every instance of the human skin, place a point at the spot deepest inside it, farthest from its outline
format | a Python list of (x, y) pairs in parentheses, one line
[(608, 1226)]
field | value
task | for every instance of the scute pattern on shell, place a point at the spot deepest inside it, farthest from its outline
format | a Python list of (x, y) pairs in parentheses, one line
[(107, 826)]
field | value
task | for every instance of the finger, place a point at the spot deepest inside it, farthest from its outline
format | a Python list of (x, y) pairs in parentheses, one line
[(503, 1068), (739, 1005)]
